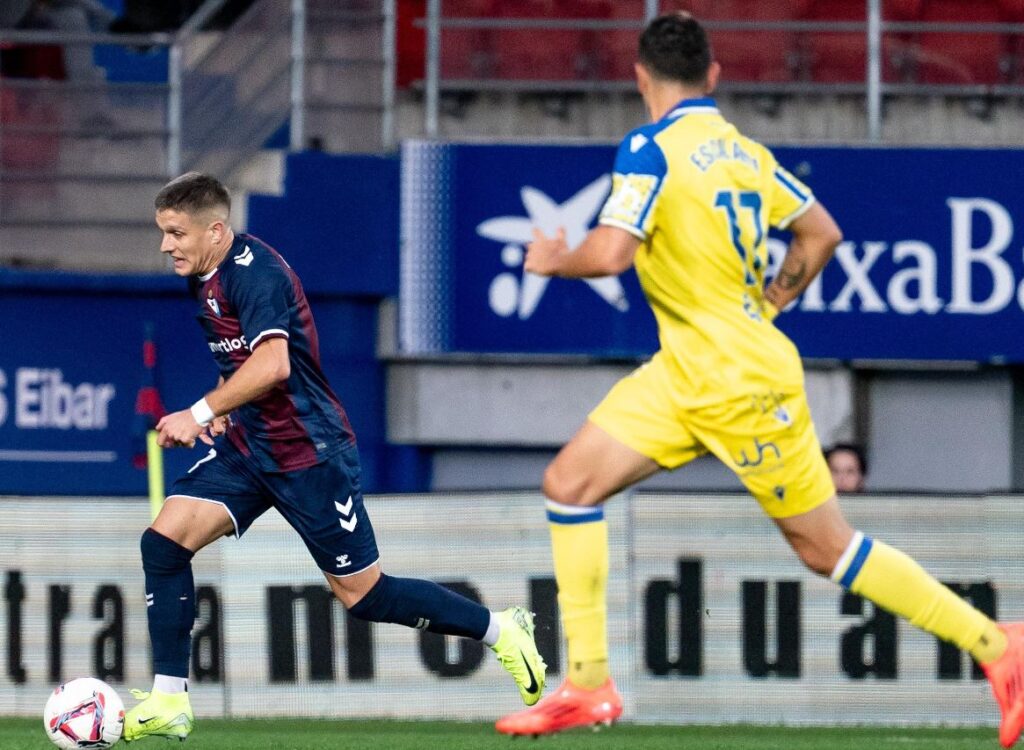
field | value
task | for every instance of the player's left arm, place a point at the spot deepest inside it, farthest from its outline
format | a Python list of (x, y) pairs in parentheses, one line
[(606, 251), (815, 237), (267, 366)]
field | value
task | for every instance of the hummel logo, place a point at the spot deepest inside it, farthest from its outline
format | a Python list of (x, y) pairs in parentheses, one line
[(533, 687), (245, 257), (343, 561), (345, 509), (637, 142)]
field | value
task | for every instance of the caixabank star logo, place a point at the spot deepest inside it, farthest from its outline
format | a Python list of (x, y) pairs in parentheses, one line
[(516, 292)]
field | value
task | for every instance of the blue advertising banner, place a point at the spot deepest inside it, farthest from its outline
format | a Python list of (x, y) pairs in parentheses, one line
[(930, 267), (71, 367)]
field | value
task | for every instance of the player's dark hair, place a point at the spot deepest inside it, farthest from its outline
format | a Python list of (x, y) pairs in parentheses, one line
[(674, 47), (193, 193), (857, 450)]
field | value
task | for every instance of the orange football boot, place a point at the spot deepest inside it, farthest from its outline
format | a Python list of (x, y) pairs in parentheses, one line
[(1006, 675), (566, 708)]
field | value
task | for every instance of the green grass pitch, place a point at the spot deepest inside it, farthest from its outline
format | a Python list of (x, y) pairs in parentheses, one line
[(297, 734)]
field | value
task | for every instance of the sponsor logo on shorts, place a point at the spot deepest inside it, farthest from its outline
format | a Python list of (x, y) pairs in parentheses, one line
[(760, 452)]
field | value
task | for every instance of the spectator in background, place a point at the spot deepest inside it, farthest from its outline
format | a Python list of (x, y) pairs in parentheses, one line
[(849, 466)]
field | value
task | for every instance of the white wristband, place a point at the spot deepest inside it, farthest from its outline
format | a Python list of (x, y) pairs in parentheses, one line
[(202, 413)]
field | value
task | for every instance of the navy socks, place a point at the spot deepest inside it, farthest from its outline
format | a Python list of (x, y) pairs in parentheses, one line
[(424, 605), (170, 602)]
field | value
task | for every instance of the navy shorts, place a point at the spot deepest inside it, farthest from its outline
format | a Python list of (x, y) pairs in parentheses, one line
[(324, 503)]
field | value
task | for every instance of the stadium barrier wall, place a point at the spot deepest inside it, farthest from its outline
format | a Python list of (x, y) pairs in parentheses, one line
[(930, 267), (712, 619), (71, 367)]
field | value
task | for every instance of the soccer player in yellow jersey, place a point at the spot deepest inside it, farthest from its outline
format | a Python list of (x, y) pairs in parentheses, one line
[(690, 206)]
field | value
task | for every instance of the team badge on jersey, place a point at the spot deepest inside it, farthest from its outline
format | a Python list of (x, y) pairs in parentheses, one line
[(213, 305), (630, 196)]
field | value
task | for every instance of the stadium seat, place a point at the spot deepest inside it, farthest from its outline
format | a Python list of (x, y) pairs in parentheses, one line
[(468, 53), (538, 54), (32, 61), (615, 51), (770, 55), (962, 58), (842, 56), (1013, 12), (410, 42), (23, 148)]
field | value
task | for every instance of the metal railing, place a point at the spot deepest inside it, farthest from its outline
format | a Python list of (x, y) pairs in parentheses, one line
[(872, 87), (234, 94), (192, 112)]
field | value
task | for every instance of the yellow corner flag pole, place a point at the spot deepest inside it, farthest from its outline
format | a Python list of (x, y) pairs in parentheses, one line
[(155, 465)]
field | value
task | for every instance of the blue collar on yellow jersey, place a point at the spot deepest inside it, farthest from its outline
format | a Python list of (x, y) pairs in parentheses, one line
[(689, 106)]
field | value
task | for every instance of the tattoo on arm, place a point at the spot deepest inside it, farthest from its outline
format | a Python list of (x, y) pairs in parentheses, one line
[(788, 283), (791, 275)]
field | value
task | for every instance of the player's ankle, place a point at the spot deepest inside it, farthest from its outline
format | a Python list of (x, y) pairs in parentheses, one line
[(589, 675), (169, 685)]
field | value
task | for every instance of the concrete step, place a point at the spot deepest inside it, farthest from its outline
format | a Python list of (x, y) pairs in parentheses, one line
[(101, 156), (79, 199), (133, 247), (345, 130), (326, 83), (339, 41)]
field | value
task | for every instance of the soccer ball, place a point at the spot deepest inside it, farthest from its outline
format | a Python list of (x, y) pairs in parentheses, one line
[(84, 713)]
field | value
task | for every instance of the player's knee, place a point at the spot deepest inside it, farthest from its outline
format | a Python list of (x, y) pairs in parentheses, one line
[(564, 488), (162, 555)]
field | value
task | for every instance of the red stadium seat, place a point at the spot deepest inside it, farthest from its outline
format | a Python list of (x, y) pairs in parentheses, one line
[(1013, 12), (538, 54), (22, 149), (410, 42), (616, 49), (751, 55), (955, 58), (842, 56), (468, 53)]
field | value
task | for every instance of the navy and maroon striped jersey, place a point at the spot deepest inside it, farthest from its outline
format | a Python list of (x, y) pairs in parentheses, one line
[(252, 296)]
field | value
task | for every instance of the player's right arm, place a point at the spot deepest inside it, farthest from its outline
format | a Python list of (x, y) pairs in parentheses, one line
[(267, 366), (815, 237)]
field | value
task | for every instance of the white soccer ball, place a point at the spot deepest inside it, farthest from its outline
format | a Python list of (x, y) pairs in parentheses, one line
[(84, 713)]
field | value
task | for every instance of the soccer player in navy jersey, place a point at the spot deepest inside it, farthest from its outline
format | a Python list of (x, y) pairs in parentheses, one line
[(278, 437)]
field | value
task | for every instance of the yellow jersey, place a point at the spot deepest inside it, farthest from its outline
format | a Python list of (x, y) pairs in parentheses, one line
[(701, 197)]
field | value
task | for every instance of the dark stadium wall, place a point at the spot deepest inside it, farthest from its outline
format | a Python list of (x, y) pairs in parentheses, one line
[(71, 366)]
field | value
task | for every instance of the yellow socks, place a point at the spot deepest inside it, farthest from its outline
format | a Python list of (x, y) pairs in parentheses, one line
[(579, 545), (893, 581), (589, 675)]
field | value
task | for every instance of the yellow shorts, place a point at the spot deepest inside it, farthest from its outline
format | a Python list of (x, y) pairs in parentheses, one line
[(767, 438)]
